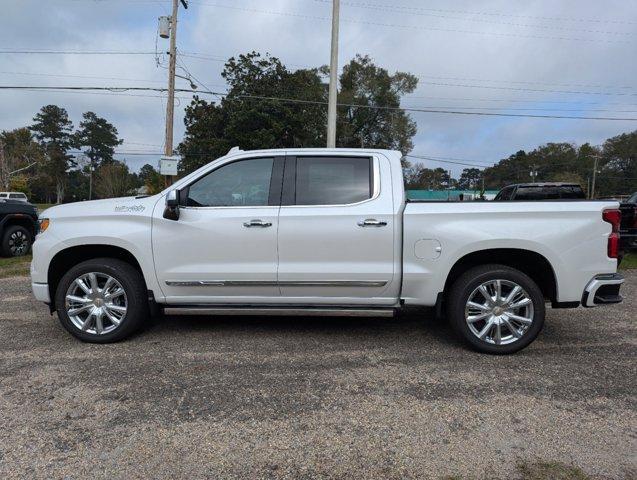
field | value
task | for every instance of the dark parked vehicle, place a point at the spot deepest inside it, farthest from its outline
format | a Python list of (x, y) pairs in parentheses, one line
[(18, 226), (628, 228), (541, 191)]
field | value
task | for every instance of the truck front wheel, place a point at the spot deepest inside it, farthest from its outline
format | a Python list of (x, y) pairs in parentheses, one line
[(496, 309), (16, 241), (102, 300)]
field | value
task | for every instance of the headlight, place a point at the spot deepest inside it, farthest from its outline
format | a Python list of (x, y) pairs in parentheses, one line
[(43, 224)]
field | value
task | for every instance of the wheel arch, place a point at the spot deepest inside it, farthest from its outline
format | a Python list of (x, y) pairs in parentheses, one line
[(68, 257), (20, 220), (532, 263)]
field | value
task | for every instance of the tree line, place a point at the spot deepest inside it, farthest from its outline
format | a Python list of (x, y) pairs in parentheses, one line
[(52, 161), (39, 159), (616, 161)]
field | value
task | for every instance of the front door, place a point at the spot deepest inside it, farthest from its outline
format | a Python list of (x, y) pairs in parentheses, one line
[(337, 231), (223, 247)]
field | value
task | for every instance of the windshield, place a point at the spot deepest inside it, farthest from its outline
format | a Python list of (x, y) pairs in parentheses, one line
[(633, 199)]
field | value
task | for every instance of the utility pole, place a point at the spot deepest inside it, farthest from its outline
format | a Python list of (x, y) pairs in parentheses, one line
[(170, 104), (331, 107), (592, 193)]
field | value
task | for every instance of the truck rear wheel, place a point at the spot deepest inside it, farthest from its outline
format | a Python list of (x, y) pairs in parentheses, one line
[(102, 300), (496, 309)]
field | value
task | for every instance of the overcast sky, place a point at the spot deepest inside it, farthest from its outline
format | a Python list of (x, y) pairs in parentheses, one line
[(545, 57)]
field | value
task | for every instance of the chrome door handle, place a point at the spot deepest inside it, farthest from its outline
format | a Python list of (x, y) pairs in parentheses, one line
[(257, 223), (371, 222)]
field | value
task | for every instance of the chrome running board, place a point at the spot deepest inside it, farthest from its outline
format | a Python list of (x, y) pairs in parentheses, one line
[(281, 311)]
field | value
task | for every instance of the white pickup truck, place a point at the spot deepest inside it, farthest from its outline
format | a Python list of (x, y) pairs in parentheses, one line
[(322, 232)]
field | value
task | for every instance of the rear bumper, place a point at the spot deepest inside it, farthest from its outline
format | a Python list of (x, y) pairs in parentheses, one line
[(603, 289)]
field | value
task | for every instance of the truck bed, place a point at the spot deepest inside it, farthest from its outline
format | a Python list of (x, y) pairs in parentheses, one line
[(570, 235)]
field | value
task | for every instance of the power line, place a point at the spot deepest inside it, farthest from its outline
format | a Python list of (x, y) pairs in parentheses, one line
[(74, 52), (413, 9), (406, 96), (494, 14), (203, 56), (218, 58), (409, 27), (517, 100), (453, 162), (95, 77), (426, 110), (114, 93), (401, 10), (519, 89), (525, 82), (104, 93), (316, 102)]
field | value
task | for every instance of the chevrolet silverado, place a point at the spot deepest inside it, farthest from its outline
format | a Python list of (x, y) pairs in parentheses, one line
[(322, 232)]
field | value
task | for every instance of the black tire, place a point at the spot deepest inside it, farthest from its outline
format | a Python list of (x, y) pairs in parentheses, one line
[(470, 280), (131, 281), (12, 235)]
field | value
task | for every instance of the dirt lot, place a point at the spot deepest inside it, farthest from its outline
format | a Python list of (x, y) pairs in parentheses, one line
[(316, 398)]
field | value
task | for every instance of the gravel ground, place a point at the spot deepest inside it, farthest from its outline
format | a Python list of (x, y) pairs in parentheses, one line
[(314, 398)]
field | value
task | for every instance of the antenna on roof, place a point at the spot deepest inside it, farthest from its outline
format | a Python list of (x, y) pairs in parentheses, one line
[(234, 150)]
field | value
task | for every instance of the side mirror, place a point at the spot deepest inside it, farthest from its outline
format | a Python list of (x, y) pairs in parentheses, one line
[(171, 212)]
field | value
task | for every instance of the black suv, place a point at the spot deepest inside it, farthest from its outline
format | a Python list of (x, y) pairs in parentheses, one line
[(628, 229), (541, 191), (18, 226)]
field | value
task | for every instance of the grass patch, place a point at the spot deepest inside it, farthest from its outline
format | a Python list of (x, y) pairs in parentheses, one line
[(629, 261), (550, 471), (14, 266), (43, 206)]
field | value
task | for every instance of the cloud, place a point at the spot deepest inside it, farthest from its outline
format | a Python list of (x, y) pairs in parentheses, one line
[(469, 55)]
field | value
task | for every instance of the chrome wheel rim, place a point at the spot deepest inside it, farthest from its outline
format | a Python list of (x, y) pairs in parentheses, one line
[(499, 312), (96, 303), (18, 243)]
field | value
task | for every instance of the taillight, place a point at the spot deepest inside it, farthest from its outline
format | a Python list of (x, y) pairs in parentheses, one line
[(614, 217)]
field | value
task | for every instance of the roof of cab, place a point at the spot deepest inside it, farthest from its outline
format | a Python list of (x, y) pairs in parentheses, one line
[(237, 150)]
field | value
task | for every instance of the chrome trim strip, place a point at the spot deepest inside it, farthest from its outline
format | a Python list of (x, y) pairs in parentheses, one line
[(260, 283), (334, 283), (277, 311), (597, 282)]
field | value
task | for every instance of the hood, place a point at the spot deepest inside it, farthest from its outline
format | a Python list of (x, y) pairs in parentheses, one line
[(109, 206), (14, 206)]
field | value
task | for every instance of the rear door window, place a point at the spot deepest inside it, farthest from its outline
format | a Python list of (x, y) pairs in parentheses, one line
[(333, 180)]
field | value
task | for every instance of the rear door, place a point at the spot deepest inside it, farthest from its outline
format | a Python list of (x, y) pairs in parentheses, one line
[(336, 230)]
